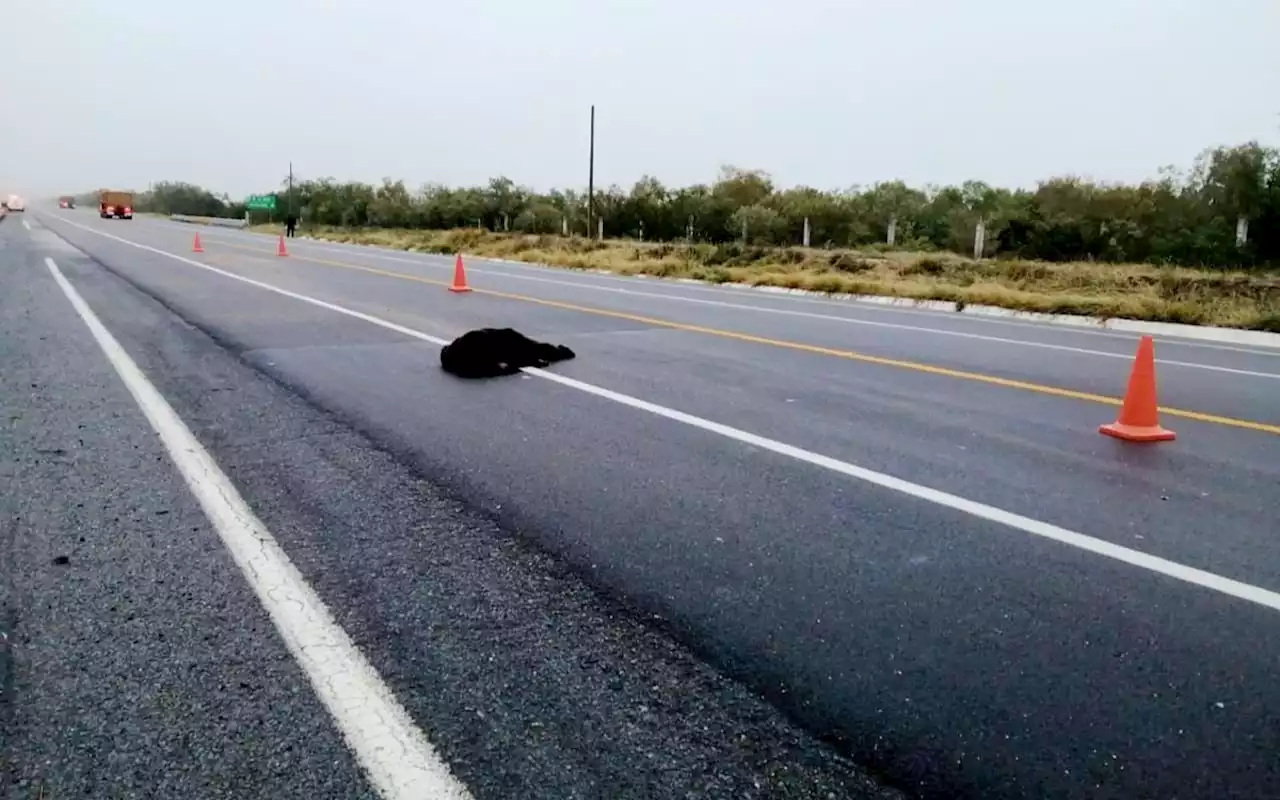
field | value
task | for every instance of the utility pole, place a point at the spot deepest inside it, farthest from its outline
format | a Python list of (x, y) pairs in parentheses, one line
[(290, 188), (591, 174)]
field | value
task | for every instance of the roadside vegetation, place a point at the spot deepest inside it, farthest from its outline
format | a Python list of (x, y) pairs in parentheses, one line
[(1200, 247)]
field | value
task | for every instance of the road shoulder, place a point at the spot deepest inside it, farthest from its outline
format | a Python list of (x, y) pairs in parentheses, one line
[(138, 662)]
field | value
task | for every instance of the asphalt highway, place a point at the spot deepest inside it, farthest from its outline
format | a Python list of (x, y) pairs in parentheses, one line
[(138, 663), (901, 528)]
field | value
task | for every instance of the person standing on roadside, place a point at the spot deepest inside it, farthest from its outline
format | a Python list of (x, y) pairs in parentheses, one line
[(290, 225)]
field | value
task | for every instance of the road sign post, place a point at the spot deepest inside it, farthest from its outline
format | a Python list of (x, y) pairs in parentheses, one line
[(260, 202)]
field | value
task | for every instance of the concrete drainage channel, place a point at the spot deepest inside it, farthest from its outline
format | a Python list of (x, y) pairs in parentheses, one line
[(218, 221)]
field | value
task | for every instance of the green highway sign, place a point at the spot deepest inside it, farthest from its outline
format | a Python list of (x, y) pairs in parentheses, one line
[(261, 202)]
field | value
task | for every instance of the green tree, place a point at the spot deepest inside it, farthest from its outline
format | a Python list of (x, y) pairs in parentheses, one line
[(1176, 218)]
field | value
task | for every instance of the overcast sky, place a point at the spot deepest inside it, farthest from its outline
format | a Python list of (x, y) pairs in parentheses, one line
[(121, 92)]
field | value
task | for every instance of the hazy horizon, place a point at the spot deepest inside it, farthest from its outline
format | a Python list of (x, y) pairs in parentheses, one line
[(817, 93)]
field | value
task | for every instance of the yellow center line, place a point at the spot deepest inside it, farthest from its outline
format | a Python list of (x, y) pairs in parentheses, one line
[(850, 355)]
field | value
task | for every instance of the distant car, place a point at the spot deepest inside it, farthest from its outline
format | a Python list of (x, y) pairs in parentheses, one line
[(16, 203)]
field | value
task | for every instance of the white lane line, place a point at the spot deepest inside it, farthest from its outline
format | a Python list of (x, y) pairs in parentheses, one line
[(824, 317), (1044, 530), (753, 293), (395, 754), (26, 224), (746, 292)]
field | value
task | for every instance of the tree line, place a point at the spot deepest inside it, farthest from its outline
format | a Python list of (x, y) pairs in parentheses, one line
[(1224, 211)]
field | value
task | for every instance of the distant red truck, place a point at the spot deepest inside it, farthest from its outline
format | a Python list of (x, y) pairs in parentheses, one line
[(66, 201), (115, 204)]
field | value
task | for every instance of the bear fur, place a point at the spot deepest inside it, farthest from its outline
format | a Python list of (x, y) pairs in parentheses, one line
[(491, 352)]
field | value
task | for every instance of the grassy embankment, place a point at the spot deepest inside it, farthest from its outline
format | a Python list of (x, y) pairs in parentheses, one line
[(1133, 291)]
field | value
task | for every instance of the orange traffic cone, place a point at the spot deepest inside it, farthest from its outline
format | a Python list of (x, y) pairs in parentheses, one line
[(459, 277), (1139, 419), (195, 245), (280, 250)]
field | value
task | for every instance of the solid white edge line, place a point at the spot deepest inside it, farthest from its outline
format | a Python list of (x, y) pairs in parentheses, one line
[(376, 254), (1009, 519), (395, 754), (1045, 530)]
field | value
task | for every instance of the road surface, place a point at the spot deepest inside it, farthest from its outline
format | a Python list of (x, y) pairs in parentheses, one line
[(139, 662), (901, 528)]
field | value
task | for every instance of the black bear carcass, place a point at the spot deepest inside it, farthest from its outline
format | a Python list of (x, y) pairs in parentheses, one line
[(491, 352)]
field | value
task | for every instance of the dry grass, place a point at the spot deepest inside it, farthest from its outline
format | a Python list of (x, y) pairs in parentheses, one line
[(1133, 291)]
